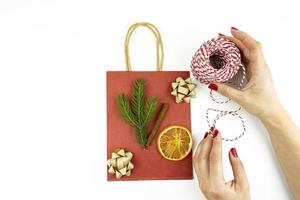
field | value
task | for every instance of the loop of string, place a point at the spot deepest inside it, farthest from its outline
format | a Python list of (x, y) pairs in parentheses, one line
[(159, 44), (222, 113)]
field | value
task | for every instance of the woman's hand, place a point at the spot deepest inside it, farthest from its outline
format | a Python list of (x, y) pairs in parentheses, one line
[(258, 96), (209, 170)]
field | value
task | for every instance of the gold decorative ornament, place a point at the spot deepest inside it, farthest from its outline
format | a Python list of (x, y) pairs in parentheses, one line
[(183, 90), (120, 163)]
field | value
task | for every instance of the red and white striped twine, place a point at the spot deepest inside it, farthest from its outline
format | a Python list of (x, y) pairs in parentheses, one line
[(222, 70)]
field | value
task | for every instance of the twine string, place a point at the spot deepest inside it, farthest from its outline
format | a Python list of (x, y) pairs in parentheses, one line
[(230, 58)]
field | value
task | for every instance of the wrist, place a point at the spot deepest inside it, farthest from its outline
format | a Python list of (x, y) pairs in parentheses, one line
[(276, 118), (275, 113)]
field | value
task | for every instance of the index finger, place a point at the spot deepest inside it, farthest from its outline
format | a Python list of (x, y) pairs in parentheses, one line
[(240, 45), (215, 157), (201, 158)]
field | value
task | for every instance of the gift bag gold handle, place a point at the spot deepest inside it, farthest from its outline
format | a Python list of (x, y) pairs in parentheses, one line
[(159, 45)]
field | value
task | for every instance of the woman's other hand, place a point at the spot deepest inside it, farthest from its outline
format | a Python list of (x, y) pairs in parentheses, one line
[(209, 170), (258, 96)]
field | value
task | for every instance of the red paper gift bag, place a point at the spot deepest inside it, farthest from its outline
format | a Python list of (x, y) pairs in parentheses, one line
[(149, 164)]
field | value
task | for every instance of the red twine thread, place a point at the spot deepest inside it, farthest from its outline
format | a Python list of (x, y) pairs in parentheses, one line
[(219, 60)]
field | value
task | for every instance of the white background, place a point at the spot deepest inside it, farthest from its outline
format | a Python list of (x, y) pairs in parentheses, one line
[(53, 59)]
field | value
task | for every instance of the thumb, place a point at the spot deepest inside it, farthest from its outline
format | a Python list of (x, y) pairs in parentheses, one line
[(227, 91), (238, 169)]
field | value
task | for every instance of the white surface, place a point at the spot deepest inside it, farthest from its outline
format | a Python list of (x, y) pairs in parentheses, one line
[(53, 58)]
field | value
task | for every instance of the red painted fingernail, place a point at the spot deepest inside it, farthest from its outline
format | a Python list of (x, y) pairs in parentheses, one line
[(220, 34), (233, 152), (213, 86), (206, 134), (212, 128), (215, 133), (234, 28)]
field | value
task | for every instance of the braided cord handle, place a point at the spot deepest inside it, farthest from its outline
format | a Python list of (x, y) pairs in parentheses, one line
[(159, 44)]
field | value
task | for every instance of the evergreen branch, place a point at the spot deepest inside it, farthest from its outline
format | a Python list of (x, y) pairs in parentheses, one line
[(150, 108), (139, 113), (138, 100), (125, 111)]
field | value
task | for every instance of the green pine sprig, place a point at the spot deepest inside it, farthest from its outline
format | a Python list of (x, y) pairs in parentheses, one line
[(125, 111), (138, 99), (150, 107), (139, 112)]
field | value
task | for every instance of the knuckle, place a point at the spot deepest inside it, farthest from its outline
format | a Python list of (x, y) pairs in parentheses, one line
[(217, 141), (223, 90)]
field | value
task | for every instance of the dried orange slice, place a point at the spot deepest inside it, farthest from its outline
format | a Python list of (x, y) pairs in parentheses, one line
[(175, 142)]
